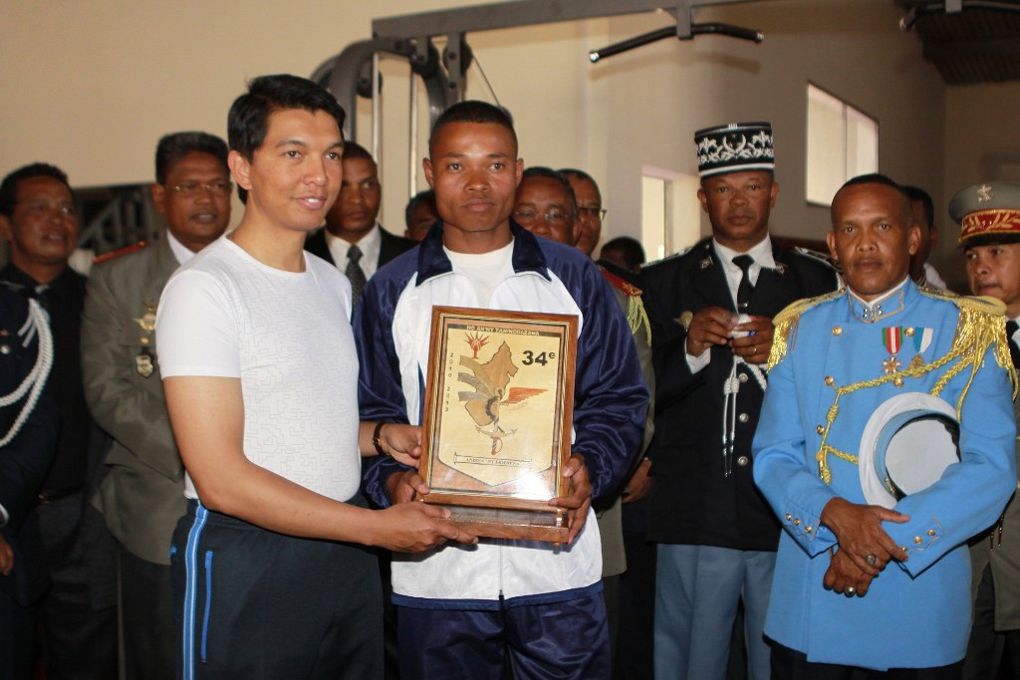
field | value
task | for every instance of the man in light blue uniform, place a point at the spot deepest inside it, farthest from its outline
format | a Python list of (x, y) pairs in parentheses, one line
[(837, 603)]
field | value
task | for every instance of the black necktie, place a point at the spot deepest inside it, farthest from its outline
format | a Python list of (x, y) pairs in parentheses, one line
[(354, 272), (745, 288), (1014, 351)]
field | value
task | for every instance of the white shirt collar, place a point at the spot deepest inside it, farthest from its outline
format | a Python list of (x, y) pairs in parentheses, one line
[(760, 252), (370, 246), (180, 251)]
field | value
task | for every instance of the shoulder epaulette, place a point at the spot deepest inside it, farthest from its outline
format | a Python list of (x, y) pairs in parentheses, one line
[(786, 321), (114, 254), (981, 325), (625, 287), (637, 317), (817, 256), (669, 258)]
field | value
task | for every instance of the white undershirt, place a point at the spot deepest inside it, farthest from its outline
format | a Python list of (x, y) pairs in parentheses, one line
[(762, 255), (370, 246), (484, 270), (287, 337)]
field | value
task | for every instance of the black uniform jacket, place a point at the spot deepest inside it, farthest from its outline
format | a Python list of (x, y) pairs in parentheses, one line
[(693, 502), (25, 460)]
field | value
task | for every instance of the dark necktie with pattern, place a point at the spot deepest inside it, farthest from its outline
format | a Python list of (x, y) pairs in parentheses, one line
[(1014, 351), (745, 288), (355, 274)]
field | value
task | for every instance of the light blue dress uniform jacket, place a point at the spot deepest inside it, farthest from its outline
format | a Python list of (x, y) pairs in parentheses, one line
[(916, 613)]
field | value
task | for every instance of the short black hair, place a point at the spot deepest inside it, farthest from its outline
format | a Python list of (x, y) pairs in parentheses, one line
[(875, 178), (474, 111), (9, 185), (177, 145), (248, 119), (630, 251), (549, 173), (878, 178), (428, 196), (919, 194), (581, 174), (355, 150)]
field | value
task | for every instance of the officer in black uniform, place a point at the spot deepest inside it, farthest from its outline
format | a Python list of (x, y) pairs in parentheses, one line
[(28, 438), (39, 220), (711, 311)]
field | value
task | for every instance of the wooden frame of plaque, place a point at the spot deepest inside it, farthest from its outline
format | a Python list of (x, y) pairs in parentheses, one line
[(499, 407)]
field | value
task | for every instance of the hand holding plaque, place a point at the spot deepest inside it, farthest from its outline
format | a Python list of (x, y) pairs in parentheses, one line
[(497, 426), (578, 498)]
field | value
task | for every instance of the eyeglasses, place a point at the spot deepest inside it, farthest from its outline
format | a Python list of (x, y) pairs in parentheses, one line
[(192, 189), (39, 206), (525, 216), (592, 212)]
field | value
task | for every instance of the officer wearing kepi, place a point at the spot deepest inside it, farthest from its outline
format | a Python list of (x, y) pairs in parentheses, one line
[(989, 217), (872, 571), (711, 311)]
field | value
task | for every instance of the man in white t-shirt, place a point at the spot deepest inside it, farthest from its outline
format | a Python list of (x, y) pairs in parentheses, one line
[(260, 374), (533, 607)]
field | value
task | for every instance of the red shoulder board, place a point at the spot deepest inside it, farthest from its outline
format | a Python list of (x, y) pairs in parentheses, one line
[(626, 288), (114, 254)]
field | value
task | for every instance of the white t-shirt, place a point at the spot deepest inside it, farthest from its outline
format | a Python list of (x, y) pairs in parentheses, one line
[(484, 270), (286, 335)]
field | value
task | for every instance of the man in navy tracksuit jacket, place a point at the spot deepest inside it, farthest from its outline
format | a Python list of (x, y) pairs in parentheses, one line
[(463, 612)]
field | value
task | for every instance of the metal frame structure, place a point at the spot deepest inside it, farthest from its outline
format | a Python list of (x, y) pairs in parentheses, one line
[(349, 74)]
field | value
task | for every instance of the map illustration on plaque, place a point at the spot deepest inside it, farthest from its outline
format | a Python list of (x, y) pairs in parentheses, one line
[(498, 417)]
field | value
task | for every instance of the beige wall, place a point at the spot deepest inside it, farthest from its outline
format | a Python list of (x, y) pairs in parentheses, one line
[(852, 48), (982, 144), (91, 86)]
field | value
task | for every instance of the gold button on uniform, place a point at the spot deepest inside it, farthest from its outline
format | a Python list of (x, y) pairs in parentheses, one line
[(908, 331), (837, 330), (917, 539), (820, 429), (742, 377), (898, 381), (796, 522), (743, 417), (788, 517), (809, 528), (931, 532), (742, 461), (5, 349), (829, 380), (144, 341)]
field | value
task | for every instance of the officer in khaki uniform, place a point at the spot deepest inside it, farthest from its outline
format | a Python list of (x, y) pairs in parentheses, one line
[(142, 496), (861, 584), (989, 216)]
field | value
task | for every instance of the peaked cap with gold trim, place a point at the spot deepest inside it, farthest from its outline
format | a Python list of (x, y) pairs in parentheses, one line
[(987, 213)]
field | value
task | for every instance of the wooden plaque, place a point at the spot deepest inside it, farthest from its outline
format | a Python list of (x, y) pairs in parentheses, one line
[(499, 405)]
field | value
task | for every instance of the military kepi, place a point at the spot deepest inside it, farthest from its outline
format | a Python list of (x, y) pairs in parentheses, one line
[(987, 213), (734, 147)]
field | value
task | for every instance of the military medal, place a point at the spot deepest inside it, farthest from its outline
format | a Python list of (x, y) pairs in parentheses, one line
[(922, 338), (147, 321), (892, 338), (144, 362)]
